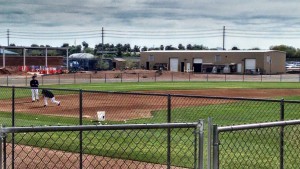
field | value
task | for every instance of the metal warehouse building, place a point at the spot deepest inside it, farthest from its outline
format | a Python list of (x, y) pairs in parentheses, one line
[(216, 61)]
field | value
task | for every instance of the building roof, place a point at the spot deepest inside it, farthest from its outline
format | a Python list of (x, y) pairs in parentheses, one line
[(8, 52), (211, 51), (82, 56)]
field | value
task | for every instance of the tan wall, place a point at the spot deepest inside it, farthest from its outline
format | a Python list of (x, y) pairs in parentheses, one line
[(275, 66), (31, 60), (278, 58)]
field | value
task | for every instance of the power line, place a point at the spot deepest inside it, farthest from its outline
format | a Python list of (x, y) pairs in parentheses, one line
[(164, 31), (191, 37), (264, 37)]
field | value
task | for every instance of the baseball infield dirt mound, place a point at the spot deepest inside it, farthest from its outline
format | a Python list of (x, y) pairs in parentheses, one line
[(119, 107)]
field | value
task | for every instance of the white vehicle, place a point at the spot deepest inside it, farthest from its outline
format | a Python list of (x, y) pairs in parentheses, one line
[(292, 67)]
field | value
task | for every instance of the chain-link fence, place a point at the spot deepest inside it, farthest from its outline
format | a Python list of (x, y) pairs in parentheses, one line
[(94, 107), (104, 146), (81, 78), (260, 145)]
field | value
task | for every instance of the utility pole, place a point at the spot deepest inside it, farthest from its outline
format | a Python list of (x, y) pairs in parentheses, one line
[(102, 47), (7, 37), (223, 37)]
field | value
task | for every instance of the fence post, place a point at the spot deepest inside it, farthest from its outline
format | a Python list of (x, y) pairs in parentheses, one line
[(138, 77), (74, 78), (169, 108), (172, 76), (280, 77), (169, 134), (90, 78), (261, 78), (189, 76), (4, 152), (207, 77), (42, 80), (80, 133), (13, 125), (200, 127), (59, 79), (209, 133), (1, 144), (7, 80), (121, 77), (105, 77), (216, 147), (243, 77), (26, 80), (225, 78), (282, 134), (154, 76)]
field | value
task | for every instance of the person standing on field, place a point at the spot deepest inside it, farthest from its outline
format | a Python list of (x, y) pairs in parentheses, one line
[(34, 84), (48, 94)]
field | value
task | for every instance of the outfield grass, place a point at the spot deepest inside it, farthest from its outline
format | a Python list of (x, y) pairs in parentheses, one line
[(134, 86)]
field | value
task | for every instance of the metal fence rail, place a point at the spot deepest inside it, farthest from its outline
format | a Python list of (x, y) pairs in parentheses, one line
[(172, 145), (260, 145), (82, 107), (120, 77)]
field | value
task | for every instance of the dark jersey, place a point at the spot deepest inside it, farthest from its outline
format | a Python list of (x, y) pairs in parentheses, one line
[(34, 83), (47, 93)]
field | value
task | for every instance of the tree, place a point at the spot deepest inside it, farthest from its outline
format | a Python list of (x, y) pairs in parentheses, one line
[(170, 47), (181, 47), (144, 48), (162, 47), (235, 48), (88, 50), (85, 45), (75, 49), (119, 47), (34, 45), (126, 48), (102, 64), (65, 45), (189, 47), (12, 44), (255, 48), (52, 53), (290, 51), (136, 48), (199, 47)]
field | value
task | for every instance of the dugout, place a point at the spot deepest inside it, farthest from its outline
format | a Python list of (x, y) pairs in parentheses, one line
[(33, 56)]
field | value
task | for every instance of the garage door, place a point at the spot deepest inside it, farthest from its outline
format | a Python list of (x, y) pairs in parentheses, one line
[(174, 64), (197, 60), (250, 64)]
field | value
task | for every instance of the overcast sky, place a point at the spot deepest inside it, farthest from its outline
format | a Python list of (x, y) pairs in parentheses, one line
[(248, 24)]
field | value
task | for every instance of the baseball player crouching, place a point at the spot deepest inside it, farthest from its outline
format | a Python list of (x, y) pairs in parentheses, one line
[(48, 94)]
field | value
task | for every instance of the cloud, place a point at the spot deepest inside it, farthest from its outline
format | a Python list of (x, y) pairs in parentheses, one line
[(58, 15)]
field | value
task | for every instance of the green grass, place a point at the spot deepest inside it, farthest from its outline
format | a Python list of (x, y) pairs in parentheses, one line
[(150, 146), (142, 86), (114, 143)]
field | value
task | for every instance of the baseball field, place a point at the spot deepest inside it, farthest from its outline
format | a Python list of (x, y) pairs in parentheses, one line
[(123, 108)]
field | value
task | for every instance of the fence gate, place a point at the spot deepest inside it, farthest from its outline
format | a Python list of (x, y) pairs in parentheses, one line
[(176, 145)]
